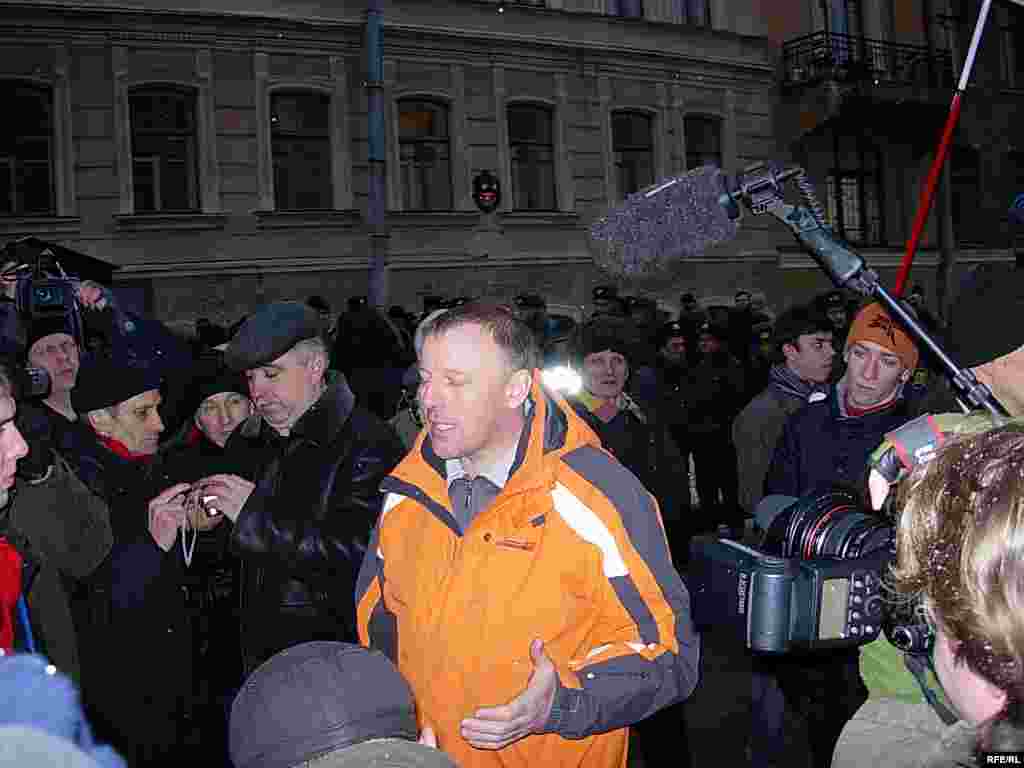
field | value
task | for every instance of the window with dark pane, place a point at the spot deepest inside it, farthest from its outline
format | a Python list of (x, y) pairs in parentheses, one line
[(532, 151), (1014, 36), (424, 156), (300, 137), (703, 141), (26, 150), (630, 9), (695, 12), (633, 147), (965, 176), (164, 161), (854, 191)]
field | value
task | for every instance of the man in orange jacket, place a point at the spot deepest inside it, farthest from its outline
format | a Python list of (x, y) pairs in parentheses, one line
[(519, 576)]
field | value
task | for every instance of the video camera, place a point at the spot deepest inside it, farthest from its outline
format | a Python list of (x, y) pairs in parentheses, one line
[(43, 294), (816, 584)]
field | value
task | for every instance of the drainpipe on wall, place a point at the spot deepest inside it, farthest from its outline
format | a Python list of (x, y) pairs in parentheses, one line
[(376, 207)]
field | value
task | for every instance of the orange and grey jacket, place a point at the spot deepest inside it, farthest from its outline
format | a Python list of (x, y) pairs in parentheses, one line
[(572, 551)]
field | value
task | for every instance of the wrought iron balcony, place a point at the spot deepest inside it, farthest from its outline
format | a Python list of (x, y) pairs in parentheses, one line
[(828, 56)]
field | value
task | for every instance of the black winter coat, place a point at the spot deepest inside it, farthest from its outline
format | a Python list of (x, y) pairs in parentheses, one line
[(304, 529), (137, 648), (820, 446)]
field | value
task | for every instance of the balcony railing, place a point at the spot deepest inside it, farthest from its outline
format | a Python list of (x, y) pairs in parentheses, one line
[(825, 56)]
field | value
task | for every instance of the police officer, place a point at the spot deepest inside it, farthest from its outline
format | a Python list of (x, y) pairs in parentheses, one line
[(661, 388)]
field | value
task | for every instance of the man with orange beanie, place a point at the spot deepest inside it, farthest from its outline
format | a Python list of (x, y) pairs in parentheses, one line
[(828, 443), (824, 444)]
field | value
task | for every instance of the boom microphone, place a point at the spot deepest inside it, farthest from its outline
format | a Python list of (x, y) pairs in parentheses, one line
[(678, 218)]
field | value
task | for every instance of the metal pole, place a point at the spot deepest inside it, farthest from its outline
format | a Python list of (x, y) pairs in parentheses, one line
[(376, 208), (928, 193)]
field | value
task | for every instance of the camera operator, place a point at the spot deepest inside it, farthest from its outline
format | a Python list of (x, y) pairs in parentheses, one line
[(825, 444), (959, 532)]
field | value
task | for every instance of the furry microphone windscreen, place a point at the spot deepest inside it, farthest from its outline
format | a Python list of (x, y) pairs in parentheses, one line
[(652, 229)]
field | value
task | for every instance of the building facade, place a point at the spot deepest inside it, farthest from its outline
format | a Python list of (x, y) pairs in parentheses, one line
[(865, 91), (216, 151)]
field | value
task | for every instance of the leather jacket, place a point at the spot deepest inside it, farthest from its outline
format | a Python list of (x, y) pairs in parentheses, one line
[(303, 531)]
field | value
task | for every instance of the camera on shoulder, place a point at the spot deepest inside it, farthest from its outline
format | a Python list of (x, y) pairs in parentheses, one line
[(815, 583)]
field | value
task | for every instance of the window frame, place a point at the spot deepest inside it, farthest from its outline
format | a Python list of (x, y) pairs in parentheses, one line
[(47, 93), (956, 179), (328, 138), (193, 182), (554, 145), (446, 106), (652, 117), (685, 17), (708, 117), (873, 227)]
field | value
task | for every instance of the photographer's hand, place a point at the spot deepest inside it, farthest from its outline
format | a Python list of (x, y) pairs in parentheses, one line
[(231, 491), (166, 514)]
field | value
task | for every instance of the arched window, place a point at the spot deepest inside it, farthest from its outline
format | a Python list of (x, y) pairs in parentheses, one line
[(855, 191), (300, 145), (703, 140), (26, 149), (424, 150), (532, 152), (633, 146), (163, 121)]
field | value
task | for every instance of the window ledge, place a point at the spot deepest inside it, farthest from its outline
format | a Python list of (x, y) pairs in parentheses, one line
[(149, 222), (539, 218), (333, 219), (39, 225), (434, 219)]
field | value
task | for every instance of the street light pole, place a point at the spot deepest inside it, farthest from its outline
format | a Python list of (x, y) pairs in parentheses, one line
[(376, 209)]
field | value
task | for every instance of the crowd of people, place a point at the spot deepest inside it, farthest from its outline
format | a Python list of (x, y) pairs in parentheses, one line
[(180, 516)]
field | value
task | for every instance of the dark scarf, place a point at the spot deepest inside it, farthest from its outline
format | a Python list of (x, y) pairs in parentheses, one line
[(787, 382)]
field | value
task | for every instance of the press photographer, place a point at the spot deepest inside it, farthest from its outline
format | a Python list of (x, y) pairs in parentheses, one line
[(827, 443)]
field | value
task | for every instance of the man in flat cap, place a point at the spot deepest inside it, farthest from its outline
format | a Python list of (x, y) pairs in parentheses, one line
[(302, 519)]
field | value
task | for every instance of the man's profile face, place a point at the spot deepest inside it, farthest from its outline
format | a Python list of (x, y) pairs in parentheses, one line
[(605, 373), (136, 422), (811, 357), (873, 374), (57, 354), (463, 393), (12, 445), (284, 389)]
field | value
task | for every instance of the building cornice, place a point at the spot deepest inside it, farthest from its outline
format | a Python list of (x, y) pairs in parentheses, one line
[(654, 54), (40, 226)]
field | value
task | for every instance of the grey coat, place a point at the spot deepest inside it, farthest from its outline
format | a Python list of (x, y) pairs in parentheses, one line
[(69, 530), (754, 433)]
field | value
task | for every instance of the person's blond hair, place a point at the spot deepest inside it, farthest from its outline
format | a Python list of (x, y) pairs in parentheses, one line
[(960, 548)]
